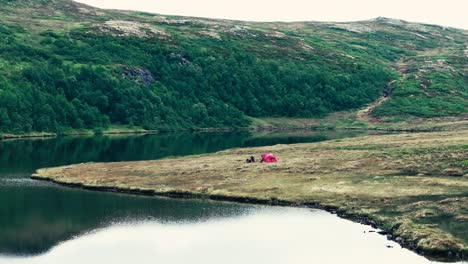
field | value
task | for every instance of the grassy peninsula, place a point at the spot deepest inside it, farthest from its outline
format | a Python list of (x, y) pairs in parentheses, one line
[(70, 68), (414, 186)]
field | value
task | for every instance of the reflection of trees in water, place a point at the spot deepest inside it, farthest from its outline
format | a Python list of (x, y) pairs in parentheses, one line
[(40, 218), (34, 219), (28, 155)]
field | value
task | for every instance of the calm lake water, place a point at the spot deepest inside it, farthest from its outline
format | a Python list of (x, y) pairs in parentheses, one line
[(45, 223)]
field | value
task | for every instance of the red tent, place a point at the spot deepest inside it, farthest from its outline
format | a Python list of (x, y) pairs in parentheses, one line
[(269, 158)]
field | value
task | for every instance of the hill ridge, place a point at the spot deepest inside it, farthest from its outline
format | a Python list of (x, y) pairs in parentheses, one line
[(84, 67)]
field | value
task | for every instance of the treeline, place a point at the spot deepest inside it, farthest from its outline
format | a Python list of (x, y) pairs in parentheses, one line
[(82, 80)]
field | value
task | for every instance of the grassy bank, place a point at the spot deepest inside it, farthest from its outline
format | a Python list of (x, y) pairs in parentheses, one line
[(403, 183), (354, 120), (113, 130), (26, 135), (348, 120)]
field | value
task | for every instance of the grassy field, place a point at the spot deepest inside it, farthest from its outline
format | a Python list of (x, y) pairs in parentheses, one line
[(412, 185)]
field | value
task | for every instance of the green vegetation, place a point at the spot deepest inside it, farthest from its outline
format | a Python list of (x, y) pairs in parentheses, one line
[(438, 94), (64, 66)]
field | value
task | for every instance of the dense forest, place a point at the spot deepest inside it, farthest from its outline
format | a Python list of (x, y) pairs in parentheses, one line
[(69, 66)]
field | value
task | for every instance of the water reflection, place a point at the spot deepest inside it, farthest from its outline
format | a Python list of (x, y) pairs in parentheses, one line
[(38, 219), (35, 216), (265, 235), (24, 156)]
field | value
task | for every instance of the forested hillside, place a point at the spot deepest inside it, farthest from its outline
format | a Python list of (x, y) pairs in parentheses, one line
[(64, 65)]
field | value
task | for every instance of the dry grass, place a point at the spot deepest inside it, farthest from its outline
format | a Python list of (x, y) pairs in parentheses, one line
[(395, 180)]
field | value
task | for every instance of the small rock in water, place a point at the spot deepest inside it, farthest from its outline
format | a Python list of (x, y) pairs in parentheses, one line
[(388, 246)]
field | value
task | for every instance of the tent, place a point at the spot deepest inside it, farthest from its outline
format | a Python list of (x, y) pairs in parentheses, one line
[(269, 158)]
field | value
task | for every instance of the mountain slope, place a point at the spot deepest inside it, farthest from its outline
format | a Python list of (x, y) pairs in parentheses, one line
[(66, 65)]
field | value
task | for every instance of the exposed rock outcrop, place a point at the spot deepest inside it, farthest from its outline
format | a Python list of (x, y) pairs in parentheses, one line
[(139, 75)]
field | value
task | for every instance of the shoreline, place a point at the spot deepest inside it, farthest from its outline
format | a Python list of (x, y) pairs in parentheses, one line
[(334, 122), (54, 135), (208, 130), (441, 255), (367, 179)]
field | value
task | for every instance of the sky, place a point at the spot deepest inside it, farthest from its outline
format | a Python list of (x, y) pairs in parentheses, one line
[(453, 13)]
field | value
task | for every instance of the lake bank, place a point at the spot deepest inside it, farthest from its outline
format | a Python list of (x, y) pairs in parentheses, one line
[(399, 183), (84, 132), (340, 121), (37, 207)]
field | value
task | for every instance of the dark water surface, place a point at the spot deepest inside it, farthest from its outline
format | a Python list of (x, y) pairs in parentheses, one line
[(46, 223)]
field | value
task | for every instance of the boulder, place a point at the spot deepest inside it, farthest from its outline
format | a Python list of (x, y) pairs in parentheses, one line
[(456, 172)]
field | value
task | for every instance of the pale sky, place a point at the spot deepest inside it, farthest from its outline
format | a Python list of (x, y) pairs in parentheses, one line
[(452, 13)]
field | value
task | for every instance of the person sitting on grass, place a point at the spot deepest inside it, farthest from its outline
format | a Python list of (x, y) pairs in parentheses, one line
[(250, 160)]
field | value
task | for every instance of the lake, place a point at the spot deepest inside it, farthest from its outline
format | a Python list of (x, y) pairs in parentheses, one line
[(45, 223)]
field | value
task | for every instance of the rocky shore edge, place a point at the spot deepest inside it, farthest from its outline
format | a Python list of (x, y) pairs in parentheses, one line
[(442, 255)]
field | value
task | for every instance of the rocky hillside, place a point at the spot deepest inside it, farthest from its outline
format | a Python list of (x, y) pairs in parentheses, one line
[(65, 65)]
